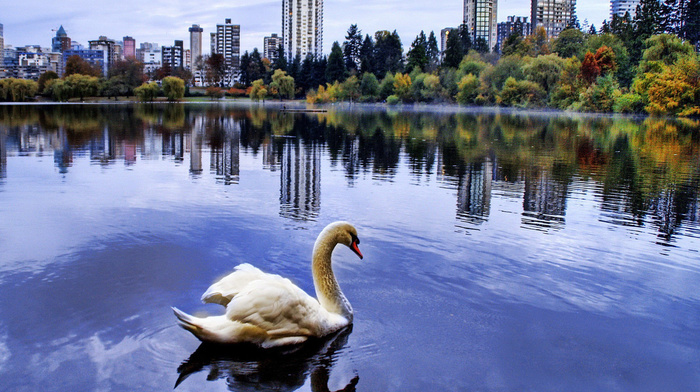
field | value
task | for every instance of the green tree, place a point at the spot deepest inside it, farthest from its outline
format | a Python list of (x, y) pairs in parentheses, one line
[(545, 71), (367, 55), (335, 69), (507, 66), (386, 87), (173, 88), (522, 93), (417, 55), (82, 86), (369, 87), (624, 70), (44, 78), (258, 91), (147, 91), (351, 49), (129, 72), (283, 83), (281, 59), (453, 50), (388, 52), (514, 45), (468, 89), (432, 51), (569, 43)]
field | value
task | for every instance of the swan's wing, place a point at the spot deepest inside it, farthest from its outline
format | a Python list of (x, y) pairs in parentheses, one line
[(230, 285), (282, 309)]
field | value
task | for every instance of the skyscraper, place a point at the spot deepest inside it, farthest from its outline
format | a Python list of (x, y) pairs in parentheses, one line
[(270, 46), (2, 47), (173, 56), (61, 41), (195, 44), (620, 7), (129, 47), (553, 15), (480, 18), (110, 47), (302, 27), (228, 44), (513, 24)]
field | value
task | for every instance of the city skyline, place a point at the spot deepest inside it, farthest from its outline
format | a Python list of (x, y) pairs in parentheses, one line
[(161, 22)]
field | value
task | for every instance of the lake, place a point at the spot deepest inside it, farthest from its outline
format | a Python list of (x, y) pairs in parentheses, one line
[(504, 251)]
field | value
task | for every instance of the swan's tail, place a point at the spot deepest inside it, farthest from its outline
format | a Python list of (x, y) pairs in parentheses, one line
[(188, 322)]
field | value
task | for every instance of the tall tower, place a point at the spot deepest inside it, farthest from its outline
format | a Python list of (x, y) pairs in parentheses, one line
[(553, 15), (270, 46), (61, 41), (195, 44), (302, 27), (480, 18), (620, 7), (228, 44), (2, 47), (129, 47)]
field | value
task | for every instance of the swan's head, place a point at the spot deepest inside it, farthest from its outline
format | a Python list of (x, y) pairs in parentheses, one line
[(346, 234)]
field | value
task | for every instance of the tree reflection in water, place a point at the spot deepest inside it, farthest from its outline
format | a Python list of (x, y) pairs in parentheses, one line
[(247, 368)]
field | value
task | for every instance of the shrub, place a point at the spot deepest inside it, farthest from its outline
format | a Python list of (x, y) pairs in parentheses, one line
[(393, 100), (628, 103), (522, 93), (147, 91)]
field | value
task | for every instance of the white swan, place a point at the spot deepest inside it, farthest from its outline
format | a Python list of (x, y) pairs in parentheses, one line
[(268, 310)]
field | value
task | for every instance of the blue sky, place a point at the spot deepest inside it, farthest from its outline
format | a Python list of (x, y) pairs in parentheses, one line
[(30, 22)]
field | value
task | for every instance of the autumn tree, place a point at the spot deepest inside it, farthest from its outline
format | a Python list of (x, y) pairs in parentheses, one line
[(590, 69), (77, 65), (173, 88)]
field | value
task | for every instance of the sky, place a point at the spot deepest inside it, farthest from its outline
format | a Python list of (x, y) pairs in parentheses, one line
[(33, 22)]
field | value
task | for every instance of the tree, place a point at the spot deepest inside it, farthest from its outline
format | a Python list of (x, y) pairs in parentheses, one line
[(432, 51), (606, 60), (465, 37), (130, 72), (545, 71), (82, 86), (569, 43), (367, 55), (173, 88), (44, 79), (369, 86), (336, 65), (352, 48), (256, 69), (522, 93), (468, 89), (258, 90), (417, 55), (480, 45), (402, 86), (283, 83), (281, 60), (453, 51), (76, 65), (513, 45), (676, 89), (624, 71), (147, 91), (691, 28), (216, 69), (589, 68), (388, 53)]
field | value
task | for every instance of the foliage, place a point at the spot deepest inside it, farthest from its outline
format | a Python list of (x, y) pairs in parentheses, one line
[(590, 70), (522, 93), (335, 70), (129, 73), (472, 63), (214, 92), (600, 96), (44, 78), (388, 52), (18, 90), (82, 86), (628, 103), (507, 67), (352, 48), (393, 100), (468, 89), (453, 51), (402, 86), (147, 91), (76, 65), (258, 90), (417, 56), (283, 84), (676, 89), (569, 86), (386, 87), (369, 87), (545, 71), (217, 70), (173, 88), (569, 43)]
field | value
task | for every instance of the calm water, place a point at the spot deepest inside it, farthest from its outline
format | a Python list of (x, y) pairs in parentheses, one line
[(503, 252)]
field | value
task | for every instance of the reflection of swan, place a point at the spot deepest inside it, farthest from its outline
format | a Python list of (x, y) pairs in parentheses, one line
[(268, 310), (249, 368)]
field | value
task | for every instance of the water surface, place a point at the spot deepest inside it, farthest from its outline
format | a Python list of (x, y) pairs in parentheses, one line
[(504, 251)]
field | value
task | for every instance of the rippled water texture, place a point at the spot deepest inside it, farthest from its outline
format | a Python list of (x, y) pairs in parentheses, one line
[(503, 251)]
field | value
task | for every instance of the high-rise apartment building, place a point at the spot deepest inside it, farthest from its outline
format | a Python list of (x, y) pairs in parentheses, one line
[(480, 18), (302, 27), (109, 46), (195, 44), (444, 35), (2, 47), (173, 56), (620, 7), (513, 24), (270, 46), (228, 44), (553, 15), (129, 48), (61, 42)]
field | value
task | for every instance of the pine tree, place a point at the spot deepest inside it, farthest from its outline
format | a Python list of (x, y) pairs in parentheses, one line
[(417, 55), (465, 38), (453, 51), (432, 51), (281, 60), (367, 55), (336, 64), (352, 47)]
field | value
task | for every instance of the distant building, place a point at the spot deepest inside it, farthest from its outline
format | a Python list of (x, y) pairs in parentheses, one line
[(514, 24), (96, 57), (444, 35), (553, 15), (150, 55), (212, 43), (480, 18), (195, 44), (270, 46), (187, 59), (29, 62), (2, 47), (302, 27), (228, 44), (173, 56), (61, 41), (620, 7), (109, 46), (129, 47)]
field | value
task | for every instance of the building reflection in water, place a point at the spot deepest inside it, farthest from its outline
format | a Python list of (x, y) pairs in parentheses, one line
[(300, 176), (544, 200), (196, 142), (225, 137), (474, 192), (174, 146), (3, 155), (62, 153), (103, 149)]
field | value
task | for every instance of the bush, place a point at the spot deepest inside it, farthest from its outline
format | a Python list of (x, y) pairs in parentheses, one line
[(214, 92), (147, 91), (522, 93), (173, 88), (468, 89), (628, 103), (393, 100)]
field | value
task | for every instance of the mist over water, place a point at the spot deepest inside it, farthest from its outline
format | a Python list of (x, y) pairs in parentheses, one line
[(504, 251)]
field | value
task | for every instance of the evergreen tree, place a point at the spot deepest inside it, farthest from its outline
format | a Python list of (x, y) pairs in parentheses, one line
[(336, 64), (465, 37), (417, 55), (351, 49), (245, 64), (453, 51), (481, 46), (432, 51), (690, 30), (281, 60), (388, 53), (295, 67), (256, 69), (307, 78), (367, 55)]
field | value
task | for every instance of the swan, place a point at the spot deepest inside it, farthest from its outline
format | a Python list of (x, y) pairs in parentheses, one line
[(268, 310)]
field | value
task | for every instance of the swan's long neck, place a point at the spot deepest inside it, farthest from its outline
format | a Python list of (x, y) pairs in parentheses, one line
[(327, 289)]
